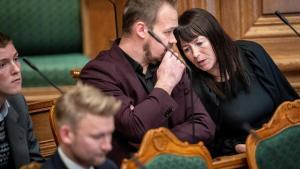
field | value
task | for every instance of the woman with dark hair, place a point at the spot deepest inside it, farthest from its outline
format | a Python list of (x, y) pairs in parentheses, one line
[(237, 81)]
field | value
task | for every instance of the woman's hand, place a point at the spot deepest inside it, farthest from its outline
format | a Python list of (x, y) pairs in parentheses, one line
[(240, 148)]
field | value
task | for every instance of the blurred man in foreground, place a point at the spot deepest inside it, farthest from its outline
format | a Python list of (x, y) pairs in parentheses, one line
[(85, 119)]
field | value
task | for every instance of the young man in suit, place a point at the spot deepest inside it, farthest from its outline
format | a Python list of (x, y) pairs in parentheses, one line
[(85, 124), (149, 80), (18, 145)]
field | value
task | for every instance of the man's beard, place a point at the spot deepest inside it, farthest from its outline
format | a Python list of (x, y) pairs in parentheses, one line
[(149, 58), (148, 54)]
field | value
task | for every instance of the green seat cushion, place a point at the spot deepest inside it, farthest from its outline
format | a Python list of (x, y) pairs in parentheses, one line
[(42, 27), (281, 151), (56, 67), (49, 33), (170, 161)]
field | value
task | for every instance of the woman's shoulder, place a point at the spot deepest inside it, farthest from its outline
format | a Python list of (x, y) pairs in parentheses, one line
[(249, 45), (253, 51)]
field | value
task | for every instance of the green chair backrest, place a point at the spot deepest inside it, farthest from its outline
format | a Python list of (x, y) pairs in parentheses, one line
[(40, 27), (170, 161), (281, 151)]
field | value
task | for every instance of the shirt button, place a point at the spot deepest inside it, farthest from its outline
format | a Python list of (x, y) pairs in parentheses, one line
[(168, 113)]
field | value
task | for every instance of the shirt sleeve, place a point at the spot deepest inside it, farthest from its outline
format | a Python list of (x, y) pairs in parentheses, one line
[(135, 119)]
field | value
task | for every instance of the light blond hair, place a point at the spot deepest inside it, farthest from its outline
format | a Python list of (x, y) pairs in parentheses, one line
[(81, 100)]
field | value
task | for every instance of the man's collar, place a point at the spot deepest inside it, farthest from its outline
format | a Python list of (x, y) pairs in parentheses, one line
[(4, 110), (68, 162), (136, 66)]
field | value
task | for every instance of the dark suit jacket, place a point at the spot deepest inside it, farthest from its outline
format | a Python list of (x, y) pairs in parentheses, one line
[(112, 73), (23, 144), (56, 163)]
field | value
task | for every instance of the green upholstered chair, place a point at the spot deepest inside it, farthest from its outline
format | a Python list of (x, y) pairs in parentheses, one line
[(160, 149), (49, 34), (276, 145), (170, 161)]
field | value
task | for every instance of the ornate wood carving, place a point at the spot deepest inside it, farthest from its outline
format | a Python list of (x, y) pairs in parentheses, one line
[(287, 115), (162, 141)]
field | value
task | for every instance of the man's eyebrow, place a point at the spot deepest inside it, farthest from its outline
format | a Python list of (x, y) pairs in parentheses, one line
[(3, 60), (16, 54), (170, 29)]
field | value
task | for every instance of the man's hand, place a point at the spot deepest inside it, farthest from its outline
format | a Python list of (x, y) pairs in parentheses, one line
[(169, 72)]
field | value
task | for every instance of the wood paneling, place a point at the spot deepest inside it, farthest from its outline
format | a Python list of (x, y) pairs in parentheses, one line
[(255, 20), (120, 7), (98, 26), (39, 112), (34, 94), (229, 18), (288, 6), (184, 5), (210, 5)]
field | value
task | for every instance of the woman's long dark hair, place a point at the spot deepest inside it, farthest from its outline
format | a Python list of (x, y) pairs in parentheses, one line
[(196, 22)]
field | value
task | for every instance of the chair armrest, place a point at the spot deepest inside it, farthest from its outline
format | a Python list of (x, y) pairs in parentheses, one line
[(233, 161)]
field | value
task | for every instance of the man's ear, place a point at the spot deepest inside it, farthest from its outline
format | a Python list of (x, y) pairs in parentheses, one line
[(141, 29), (66, 134)]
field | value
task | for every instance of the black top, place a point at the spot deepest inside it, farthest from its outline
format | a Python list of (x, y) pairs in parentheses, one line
[(147, 79), (268, 88)]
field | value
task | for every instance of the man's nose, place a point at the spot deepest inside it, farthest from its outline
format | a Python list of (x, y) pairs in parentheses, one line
[(172, 39), (105, 144), (15, 67)]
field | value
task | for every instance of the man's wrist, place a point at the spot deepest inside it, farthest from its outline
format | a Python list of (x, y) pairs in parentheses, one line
[(165, 87)]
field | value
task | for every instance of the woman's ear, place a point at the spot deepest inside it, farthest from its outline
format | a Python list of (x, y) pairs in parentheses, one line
[(141, 29)]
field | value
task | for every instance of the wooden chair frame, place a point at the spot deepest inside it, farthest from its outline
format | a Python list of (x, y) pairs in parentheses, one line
[(39, 112), (32, 165), (285, 116), (237, 161), (53, 125), (161, 140)]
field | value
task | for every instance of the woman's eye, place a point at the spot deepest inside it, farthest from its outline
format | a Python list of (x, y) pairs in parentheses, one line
[(186, 50), (199, 43)]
